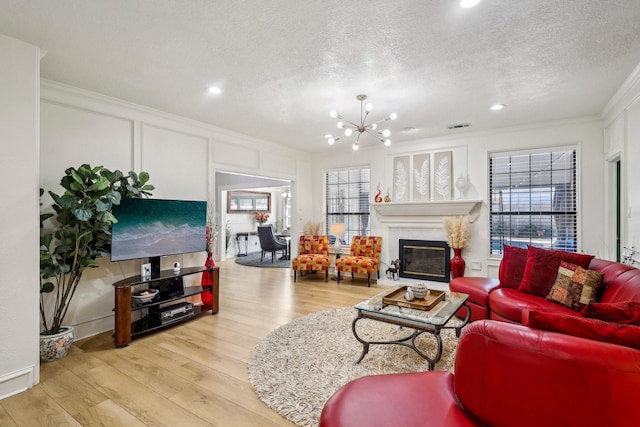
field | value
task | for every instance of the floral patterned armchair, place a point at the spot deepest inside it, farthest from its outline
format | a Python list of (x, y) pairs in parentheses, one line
[(363, 259), (313, 255)]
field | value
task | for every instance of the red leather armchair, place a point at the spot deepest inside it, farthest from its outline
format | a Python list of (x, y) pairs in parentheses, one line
[(506, 375)]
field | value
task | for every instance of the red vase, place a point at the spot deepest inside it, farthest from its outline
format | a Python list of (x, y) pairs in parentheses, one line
[(457, 263), (207, 280)]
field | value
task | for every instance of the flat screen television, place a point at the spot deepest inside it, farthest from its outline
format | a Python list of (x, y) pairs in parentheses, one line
[(152, 228)]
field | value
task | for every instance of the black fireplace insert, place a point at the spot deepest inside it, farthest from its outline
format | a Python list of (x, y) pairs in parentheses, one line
[(425, 259)]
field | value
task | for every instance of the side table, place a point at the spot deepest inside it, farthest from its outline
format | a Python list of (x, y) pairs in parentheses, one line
[(245, 235), (333, 256)]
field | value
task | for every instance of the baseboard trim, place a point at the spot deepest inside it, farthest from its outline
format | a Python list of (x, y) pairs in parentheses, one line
[(17, 382)]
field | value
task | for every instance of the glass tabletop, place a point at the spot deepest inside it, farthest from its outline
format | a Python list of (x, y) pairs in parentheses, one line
[(437, 316)]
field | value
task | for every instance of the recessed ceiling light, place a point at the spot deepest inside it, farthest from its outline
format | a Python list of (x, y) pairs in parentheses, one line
[(408, 129), (214, 90), (497, 107), (468, 3)]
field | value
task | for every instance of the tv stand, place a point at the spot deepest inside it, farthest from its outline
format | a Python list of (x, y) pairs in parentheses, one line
[(125, 330)]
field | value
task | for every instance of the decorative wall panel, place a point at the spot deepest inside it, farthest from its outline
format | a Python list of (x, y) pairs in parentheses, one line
[(442, 175)]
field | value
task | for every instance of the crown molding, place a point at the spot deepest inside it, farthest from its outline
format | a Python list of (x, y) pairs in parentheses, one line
[(623, 96)]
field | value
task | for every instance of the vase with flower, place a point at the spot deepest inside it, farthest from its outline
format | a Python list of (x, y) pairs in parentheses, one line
[(212, 232), (262, 217), (458, 235)]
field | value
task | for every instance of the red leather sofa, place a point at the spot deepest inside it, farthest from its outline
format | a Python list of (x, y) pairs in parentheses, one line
[(506, 375), (488, 300)]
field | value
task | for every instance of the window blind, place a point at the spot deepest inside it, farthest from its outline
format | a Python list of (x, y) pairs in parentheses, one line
[(533, 200), (347, 201)]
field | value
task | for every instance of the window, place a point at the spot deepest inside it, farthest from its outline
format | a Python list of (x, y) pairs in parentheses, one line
[(248, 201), (287, 209), (533, 199), (347, 201)]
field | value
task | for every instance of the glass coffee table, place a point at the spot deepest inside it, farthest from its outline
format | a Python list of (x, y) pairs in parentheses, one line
[(421, 321)]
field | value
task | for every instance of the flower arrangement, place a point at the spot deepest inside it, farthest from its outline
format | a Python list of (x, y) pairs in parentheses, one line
[(457, 228), (262, 217), (213, 228)]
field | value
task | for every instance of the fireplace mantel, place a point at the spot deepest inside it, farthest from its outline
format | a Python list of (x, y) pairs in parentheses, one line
[(426, 212)]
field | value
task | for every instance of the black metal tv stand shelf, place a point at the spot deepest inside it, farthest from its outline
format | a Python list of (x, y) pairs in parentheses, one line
[(125, 330)]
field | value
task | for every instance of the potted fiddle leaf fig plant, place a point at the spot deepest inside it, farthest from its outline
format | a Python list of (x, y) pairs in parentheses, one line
[(80, 233)]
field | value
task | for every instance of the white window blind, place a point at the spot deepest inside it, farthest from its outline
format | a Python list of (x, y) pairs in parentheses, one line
[(533, 199), (347, 201)]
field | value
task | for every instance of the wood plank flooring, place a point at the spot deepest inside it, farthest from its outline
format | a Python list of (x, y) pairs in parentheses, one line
[(193, 374)]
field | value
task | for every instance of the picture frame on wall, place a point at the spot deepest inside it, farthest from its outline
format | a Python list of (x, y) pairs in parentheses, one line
[(248, 202), (401, 179), (421, 167), (442, 175)]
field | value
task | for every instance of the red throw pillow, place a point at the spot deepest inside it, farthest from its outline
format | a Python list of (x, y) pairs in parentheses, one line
[(542, 268), (512, 266), (575, 287), (584, 327), (627, 312)]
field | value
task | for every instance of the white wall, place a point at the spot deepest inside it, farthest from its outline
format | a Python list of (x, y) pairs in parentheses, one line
[(632, 172), (622, 141), (181, 156), (471, 153), (244, 222), (19, 263)]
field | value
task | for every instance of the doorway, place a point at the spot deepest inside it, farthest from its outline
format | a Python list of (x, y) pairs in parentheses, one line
[(614, 210), (618, 212), (232, 222)]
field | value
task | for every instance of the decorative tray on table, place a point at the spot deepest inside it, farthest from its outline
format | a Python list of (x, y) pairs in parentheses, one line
[(397, 298)]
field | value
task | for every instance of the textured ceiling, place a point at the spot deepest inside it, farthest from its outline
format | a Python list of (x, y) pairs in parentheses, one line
[(284, 64)]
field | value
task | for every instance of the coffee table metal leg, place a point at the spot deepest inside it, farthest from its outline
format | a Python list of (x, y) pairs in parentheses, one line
[(438, 355), (365, 344), (465, 321), (402, 341)]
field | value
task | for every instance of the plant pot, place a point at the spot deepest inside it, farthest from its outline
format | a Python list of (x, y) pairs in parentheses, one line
[(56, 346), (457, 264)]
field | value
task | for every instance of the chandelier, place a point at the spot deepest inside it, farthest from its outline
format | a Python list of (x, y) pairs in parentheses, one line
[(372, 129)]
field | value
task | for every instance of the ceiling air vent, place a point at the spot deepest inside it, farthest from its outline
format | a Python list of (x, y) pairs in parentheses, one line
[(459, 126)]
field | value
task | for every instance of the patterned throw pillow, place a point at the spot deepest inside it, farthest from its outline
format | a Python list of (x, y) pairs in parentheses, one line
[(575, 287)]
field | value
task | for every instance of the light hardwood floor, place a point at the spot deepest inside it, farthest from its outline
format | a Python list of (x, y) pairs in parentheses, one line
[(193, 374)]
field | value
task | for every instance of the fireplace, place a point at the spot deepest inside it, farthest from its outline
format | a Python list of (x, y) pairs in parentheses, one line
[(424, 259)]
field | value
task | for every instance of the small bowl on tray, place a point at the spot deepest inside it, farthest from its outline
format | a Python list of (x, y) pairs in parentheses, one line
[(420, 290), (144, 296)]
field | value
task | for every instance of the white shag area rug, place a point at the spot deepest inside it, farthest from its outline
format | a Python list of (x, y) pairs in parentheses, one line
[(297, 367)]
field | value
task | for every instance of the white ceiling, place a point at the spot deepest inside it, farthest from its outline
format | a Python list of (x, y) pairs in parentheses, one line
[(284, 64)]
